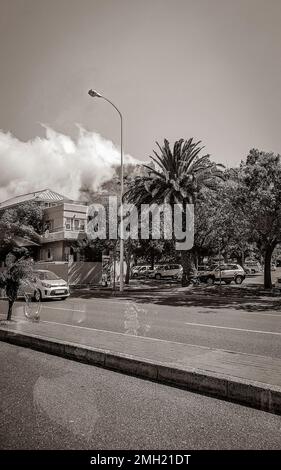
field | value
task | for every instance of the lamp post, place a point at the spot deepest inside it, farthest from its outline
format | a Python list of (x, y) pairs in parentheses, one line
[(95, 94)]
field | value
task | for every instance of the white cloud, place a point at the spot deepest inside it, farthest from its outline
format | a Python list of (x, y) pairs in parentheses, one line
[(56, 161)]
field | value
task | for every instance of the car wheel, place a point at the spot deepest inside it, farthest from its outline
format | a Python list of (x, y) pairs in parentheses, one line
[(210, 281), (238, 280), (158, 276), (37, 296)]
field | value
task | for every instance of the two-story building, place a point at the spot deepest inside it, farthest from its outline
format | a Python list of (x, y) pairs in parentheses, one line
[(64, 223)]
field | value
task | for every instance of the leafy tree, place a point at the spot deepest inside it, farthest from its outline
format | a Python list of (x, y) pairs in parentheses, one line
[(174, 176), (23, 221), (151, 251), (219, 221), (259, 198)]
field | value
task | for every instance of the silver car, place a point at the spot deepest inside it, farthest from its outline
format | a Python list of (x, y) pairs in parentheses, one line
[(47, 285), (140, 272), (226, 273), (166, 271)]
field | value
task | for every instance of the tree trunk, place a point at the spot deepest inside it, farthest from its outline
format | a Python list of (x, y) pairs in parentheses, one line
[(239, 260), (10, 310), (267, 267), (186, 265)]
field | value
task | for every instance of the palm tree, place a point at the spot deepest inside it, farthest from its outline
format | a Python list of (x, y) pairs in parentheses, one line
[(175, 177)]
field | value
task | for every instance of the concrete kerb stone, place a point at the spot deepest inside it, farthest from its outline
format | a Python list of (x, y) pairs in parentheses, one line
[(84, 354), (254, 394), (274, 401), (33, 342), (251, 394), (129, 365), (193, 380)]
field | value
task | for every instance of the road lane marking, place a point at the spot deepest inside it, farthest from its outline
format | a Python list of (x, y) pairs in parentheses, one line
[(125, 334), (117, 301), (112, 332), (236, 329), (61, 308)]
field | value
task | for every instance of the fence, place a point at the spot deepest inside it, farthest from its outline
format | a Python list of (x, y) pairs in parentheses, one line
[(76, 273)]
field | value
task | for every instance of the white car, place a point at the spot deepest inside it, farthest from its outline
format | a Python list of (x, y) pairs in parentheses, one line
[(47, 285), (167, 270), (226, 272)]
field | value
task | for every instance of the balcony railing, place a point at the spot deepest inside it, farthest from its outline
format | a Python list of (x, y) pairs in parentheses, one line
[(65, 228), (61, 233)]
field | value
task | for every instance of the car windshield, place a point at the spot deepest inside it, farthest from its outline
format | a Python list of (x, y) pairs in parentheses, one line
[(46, 275), (213, 266)]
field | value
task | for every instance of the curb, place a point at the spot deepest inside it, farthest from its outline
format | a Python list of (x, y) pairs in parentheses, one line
[(254, 394)]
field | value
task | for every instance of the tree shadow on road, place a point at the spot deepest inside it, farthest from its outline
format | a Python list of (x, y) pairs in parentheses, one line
[(250, 298)]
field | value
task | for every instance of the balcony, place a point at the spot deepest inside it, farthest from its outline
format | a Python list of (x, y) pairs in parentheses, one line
[(61, 234)]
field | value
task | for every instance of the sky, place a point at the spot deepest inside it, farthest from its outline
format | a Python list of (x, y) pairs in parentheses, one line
[(208, 69)]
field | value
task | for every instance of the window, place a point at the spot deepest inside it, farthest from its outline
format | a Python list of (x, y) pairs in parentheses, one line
[(72, 223), (76, 224), (46, 275), (222, 267), (68, 224)]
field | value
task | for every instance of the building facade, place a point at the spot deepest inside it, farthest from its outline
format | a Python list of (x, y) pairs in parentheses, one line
[(64, 223)]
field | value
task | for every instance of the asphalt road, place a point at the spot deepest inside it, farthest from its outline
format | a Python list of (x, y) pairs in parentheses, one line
[(225, 321), (53, 403)]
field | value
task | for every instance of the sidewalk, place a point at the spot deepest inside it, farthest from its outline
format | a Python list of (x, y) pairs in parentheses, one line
[(249, 379)]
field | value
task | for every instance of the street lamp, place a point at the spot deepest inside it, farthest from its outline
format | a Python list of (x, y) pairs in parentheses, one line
[(95, 94)]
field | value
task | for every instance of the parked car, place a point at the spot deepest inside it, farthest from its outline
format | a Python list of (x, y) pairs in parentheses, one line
[(141, 272), (135, 270), (166, 271), (150, 272), (252, 267), (202, 269), (47, 285), (225, 272)]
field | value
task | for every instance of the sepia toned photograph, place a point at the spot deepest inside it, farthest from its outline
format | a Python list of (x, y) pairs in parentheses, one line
[(140, 232)]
